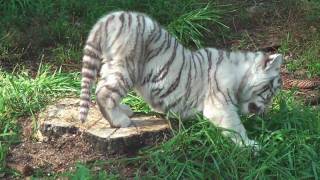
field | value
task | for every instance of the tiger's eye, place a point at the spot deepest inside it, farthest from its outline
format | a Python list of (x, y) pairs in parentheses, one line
[(265, 86)]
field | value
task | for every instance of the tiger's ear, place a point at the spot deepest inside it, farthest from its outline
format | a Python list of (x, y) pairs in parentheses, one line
[(272, 61)]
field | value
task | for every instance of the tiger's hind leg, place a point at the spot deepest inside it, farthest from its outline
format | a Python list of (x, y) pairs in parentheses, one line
[(109, 93)]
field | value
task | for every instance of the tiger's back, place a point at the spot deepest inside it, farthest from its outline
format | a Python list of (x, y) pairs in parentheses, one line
[(138, 48)]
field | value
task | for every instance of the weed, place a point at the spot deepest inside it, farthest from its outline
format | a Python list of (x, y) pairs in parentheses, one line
[(66, 54), (136, 103), (189, 27)]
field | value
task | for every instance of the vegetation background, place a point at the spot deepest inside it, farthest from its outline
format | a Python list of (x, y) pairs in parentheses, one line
[(40, 59)]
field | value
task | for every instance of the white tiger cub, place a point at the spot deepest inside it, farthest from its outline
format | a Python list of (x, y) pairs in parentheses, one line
[(129, 50)]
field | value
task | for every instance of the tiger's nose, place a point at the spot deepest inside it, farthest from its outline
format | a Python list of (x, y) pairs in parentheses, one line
[(253, 108)]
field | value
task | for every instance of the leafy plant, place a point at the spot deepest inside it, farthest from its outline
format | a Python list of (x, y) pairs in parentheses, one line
[(189, 27)]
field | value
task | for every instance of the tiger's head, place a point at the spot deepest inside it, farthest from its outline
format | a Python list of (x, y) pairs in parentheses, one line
[(263, 81)]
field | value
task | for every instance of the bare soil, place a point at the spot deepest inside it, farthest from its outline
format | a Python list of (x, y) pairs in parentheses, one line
[(56, 155)]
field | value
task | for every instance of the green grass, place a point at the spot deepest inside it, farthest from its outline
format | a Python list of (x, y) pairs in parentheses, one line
[(305, 55)]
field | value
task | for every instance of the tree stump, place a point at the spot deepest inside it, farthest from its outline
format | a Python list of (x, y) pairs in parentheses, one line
[(62, 118)]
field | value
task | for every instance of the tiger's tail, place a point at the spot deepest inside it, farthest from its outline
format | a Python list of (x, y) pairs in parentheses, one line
[(90, 64)]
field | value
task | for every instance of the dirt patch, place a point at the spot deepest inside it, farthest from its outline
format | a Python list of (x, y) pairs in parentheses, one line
[(56, 155)]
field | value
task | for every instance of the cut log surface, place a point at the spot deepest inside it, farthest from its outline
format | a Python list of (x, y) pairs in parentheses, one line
[(62, 117)]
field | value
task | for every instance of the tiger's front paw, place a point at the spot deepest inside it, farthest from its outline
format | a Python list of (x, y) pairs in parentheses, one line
[(253, 144), (120, 120), (247, 143), (123, 122)]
